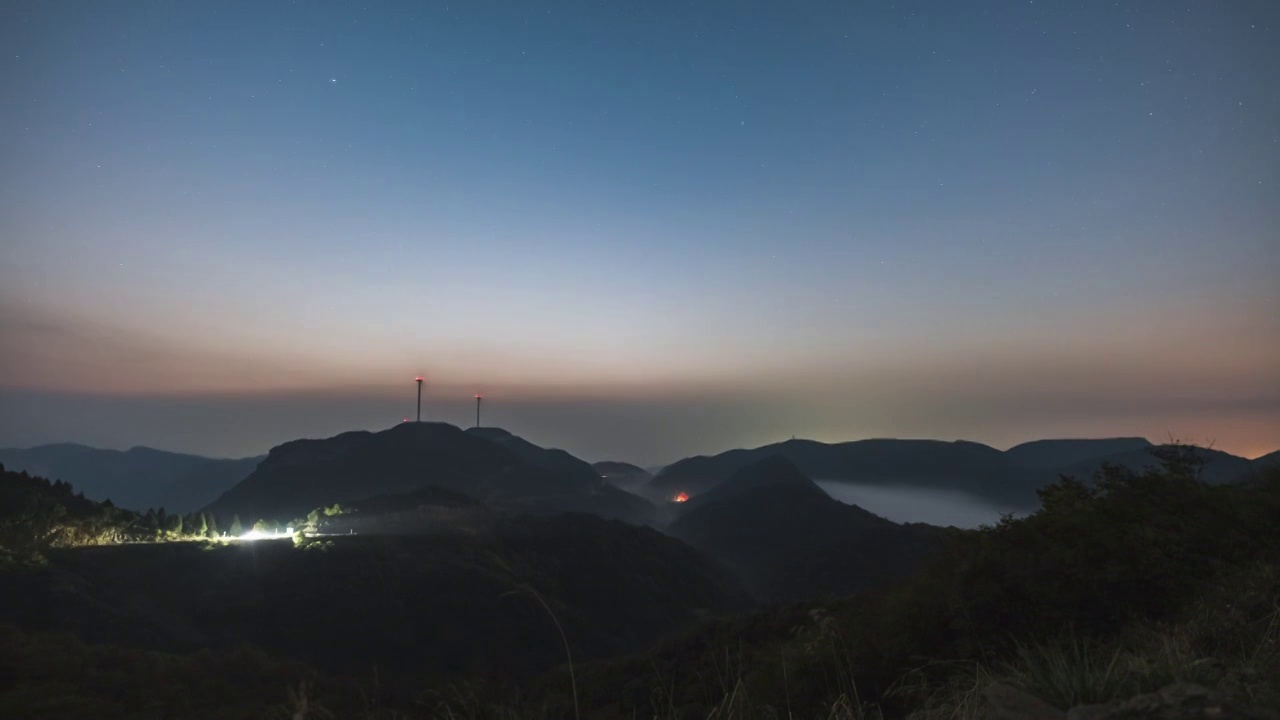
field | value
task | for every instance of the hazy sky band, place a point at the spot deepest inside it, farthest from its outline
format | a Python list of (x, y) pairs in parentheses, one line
[(740, 220)]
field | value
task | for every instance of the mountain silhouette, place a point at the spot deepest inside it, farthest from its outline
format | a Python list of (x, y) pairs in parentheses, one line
[(139, 478), (966, 466), (1055, 454), (773, 471), (508, 474), (552, 459), (787, 539), (1219, 467), (622, 475), (1008, 478)]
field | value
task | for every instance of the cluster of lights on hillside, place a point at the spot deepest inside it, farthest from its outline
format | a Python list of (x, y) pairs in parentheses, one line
[(681, 497)]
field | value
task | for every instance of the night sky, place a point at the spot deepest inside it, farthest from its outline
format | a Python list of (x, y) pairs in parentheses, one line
[(644, 229)]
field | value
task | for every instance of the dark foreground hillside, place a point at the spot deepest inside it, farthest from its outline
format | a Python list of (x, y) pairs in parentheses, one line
[(435, 606), (1114, 588)]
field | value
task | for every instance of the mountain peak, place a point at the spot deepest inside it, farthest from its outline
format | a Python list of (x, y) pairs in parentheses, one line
[(490, 465), (425, 428), (785, 536), (773, 474)]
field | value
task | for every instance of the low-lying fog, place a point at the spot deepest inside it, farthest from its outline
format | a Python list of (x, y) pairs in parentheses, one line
[(923, 505)]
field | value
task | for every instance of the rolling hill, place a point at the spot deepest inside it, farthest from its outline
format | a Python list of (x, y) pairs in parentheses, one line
[(506, 473), (138, 478), (787, 539)]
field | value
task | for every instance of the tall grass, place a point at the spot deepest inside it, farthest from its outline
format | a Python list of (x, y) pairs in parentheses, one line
[(568, 652), (958, 697), (1228, 640), (1070, 672)]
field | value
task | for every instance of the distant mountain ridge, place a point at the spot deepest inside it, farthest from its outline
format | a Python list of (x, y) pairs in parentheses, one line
[(138, 478), (1219, 467), (489, 465), (144, 477), (1267, 460), (961, 465), (1054, 454), (1008, 478)]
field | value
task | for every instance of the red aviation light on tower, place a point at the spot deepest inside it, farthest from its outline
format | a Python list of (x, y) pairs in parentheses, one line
[(419, 379)]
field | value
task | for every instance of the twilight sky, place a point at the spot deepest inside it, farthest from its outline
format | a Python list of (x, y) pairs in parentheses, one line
[(643, 229)]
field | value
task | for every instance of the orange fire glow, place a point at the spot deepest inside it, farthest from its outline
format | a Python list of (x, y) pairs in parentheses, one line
[(681, 497)]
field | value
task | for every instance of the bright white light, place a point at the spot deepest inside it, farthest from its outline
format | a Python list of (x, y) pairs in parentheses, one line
[(275, 534)]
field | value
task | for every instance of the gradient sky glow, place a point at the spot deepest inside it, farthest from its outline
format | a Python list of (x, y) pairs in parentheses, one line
[(643, 230)]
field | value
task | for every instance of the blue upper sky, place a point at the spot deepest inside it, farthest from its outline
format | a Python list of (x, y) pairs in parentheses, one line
[(716, 223)]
